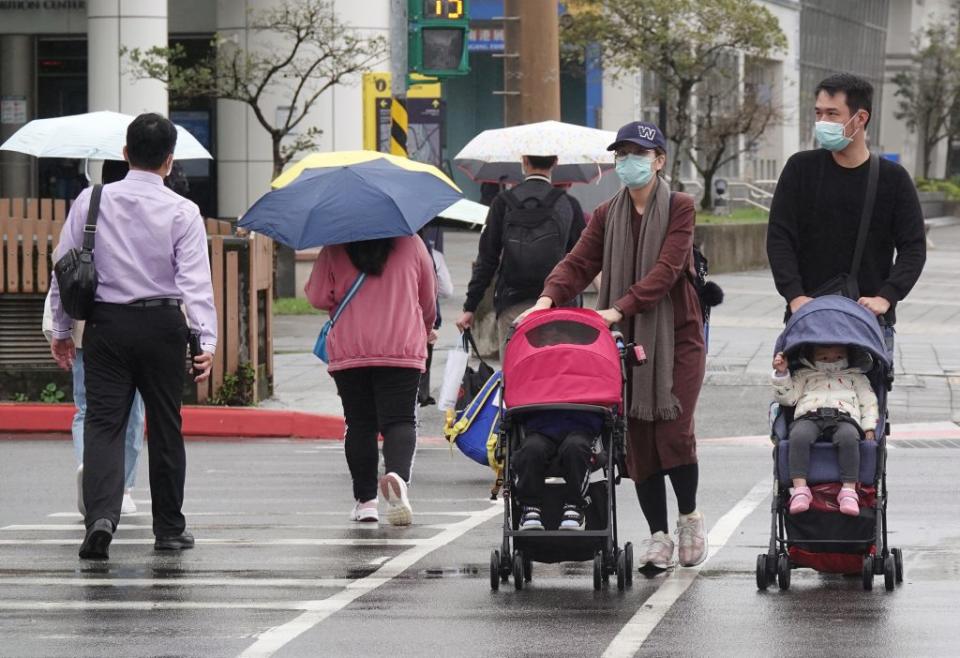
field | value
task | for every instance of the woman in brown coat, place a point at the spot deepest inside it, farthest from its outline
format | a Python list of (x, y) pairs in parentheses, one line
[(642, 241)]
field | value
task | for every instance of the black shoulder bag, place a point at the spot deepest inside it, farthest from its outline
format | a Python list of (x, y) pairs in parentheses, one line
[(847, 285), (76, 272)]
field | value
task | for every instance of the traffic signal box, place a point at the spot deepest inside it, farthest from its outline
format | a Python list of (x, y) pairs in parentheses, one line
[(439, 31)]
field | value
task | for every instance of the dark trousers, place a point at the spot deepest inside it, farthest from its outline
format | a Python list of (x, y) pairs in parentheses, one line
[(533, 457), (127, 349), (652, 494), (804, 432), (378, 400)]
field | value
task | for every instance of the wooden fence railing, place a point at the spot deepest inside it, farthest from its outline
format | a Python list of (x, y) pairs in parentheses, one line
[(241, 269)]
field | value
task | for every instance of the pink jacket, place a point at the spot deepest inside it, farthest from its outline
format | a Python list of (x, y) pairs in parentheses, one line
[(387, 322)]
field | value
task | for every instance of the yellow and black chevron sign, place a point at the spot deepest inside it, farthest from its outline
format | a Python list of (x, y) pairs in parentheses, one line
[(398, 126)]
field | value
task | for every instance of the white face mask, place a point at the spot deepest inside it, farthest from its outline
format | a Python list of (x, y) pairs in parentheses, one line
[(835, 366)]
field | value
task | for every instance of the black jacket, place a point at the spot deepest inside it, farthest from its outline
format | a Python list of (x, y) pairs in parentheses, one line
[(491, 244), (814, 219)]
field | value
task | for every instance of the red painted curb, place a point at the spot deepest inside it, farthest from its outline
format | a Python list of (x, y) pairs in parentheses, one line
[(234, 422)]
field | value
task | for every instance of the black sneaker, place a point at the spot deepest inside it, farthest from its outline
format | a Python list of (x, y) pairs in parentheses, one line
[(530, 520), (174, 543), (572, 518)]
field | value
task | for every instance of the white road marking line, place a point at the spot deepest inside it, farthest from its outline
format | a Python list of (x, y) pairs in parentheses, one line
[(173, 582), (296, 541), (63, 527), (49, 606), (272, 640), (272, 514), (632, 636), (380, 560)]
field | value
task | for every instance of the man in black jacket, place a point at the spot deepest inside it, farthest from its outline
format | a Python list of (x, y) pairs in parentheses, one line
[(817, 206), (520, 283)]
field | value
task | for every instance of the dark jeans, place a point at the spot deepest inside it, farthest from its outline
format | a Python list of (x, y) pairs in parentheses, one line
[(532, 458), (804, 432), (378, 401), (127, 349)]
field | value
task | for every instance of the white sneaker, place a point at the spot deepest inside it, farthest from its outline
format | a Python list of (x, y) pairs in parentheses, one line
[(365, 512), (80, 506), (394, 489), (657, 551), (128, 506), (691, 539)]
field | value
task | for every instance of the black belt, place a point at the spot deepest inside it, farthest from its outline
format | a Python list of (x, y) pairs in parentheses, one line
[(155, 303)]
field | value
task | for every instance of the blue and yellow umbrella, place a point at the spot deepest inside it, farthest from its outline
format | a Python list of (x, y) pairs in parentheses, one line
[(348, 196)]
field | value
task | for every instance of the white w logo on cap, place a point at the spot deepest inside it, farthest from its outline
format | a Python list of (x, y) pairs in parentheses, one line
[(646, 132)]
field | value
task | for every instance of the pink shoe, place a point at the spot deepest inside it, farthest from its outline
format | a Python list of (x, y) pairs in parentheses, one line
[(800, 498), (849, 502)]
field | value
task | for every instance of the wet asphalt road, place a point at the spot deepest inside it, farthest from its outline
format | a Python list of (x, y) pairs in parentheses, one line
[(278, 569)]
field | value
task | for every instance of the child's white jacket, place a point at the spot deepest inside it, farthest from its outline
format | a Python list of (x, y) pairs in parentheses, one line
[(809, 389)]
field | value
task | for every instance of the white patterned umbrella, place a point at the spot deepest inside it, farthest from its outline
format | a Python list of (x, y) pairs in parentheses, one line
[(494, 155), (90, 136)]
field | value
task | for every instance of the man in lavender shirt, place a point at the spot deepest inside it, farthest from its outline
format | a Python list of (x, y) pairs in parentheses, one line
[(151, 257)]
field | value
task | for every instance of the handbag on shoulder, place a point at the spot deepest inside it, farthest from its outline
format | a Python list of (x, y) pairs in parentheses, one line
[(76, 271)]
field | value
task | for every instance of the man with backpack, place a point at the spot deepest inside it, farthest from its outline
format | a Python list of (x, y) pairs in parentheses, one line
[(529, 229)]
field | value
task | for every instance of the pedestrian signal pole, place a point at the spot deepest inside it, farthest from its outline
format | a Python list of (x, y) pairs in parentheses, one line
[(399, 33)]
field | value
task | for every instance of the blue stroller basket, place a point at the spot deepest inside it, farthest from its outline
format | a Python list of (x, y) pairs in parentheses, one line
[(818, 539)]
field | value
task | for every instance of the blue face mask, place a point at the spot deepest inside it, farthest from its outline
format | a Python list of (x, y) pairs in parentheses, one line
[(635, 170), (830, 135)]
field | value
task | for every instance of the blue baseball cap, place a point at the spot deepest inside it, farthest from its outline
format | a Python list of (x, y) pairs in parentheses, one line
[(642, 134)]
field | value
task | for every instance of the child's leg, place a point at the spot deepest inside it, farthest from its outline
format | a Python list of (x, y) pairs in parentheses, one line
[(803, 434), (530, 468), (576, 451), (847, 440)]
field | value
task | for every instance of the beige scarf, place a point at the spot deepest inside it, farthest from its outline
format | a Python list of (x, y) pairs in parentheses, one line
[(626, 261)]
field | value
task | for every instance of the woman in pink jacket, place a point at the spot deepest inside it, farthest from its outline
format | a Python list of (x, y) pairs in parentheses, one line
[(377, 351)]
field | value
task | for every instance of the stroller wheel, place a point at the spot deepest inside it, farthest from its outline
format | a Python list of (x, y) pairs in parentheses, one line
[(527, 569), (518, 570), (622, 570), (597, 570), (494, 570), (898, 563), (762, 580), (628, 558), (783, 572), (889, 572), (867, 573), (771, 568)]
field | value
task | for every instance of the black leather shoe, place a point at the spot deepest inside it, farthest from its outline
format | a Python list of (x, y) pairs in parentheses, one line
[(174, 543), (97, 542)]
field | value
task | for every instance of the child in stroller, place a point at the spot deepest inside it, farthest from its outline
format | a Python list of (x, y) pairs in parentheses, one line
[(571, 436), (834, 400)]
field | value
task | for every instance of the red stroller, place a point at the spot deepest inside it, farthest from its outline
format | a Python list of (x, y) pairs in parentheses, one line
[(564, 360)]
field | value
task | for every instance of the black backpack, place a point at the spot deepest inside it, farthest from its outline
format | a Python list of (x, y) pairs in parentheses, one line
[(708, 292), (534, 241)]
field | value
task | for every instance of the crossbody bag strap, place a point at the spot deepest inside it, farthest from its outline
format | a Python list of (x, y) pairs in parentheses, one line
[(93, 212), (350, 294), (873, 176)]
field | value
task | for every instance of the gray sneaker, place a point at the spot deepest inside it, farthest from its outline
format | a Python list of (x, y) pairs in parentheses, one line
[(692, 546), (656, 552)]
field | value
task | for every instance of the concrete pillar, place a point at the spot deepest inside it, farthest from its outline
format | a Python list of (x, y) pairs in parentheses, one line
[(116, 24), (16, 90)]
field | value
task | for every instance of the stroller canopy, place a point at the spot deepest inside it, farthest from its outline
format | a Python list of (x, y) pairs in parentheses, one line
[(835, 320), (562, 356)]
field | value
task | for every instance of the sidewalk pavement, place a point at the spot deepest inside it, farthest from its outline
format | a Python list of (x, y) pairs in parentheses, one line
[(743, 330)]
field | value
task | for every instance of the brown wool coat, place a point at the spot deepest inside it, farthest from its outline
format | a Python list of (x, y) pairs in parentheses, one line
[(655, 446)]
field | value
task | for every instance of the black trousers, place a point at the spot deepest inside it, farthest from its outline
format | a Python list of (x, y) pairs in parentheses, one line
[(378, 400), (533, 457), (127, 348)]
